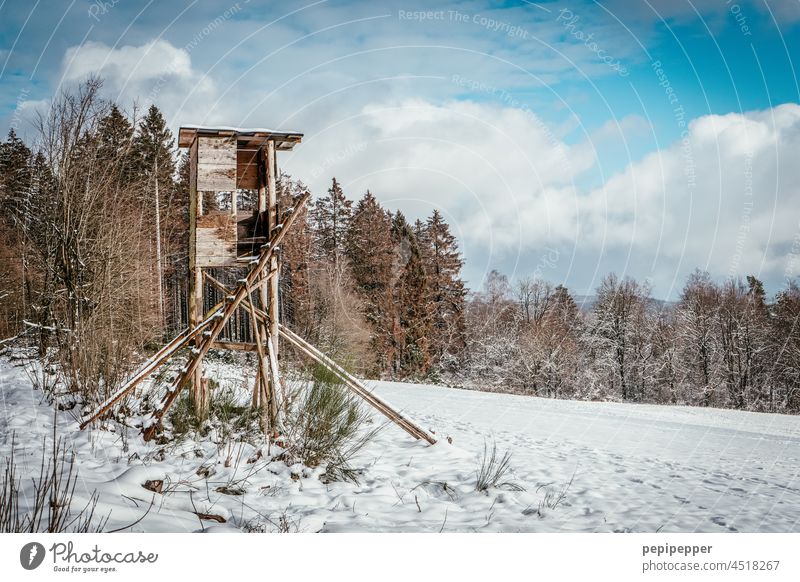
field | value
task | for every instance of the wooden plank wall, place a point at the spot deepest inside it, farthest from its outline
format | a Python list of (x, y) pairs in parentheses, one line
[(216, 167), (215, 249), (215, 235)]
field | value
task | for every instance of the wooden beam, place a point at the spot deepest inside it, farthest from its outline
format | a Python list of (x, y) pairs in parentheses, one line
[(270, 420), (236, 346), (272, 222), (275, 377), (260, 315), (355, 385)]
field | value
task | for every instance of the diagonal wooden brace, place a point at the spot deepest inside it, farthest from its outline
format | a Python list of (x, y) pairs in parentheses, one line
[(355, 385)]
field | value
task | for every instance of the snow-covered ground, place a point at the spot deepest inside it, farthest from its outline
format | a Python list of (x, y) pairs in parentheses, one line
[(632, 468)]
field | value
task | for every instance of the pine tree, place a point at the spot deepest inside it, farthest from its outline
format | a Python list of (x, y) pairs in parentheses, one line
[(370, 250), (15, 175), (15, 206), (330, 217), (115, 145), (563, 305), (411, 293), (446, 292), (154, 148)]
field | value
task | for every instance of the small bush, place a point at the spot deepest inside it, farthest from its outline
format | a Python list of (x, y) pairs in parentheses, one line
[(492, 471), (225, 412), (182, 416), (323, 426)]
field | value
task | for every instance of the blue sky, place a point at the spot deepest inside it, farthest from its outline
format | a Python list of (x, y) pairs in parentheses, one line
[(560, 139)]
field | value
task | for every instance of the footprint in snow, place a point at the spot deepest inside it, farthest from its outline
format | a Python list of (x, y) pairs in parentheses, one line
[(720, 521)]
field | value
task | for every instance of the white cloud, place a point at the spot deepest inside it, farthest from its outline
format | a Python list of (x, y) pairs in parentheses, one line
[(127, 64), (494, 171), (153, 72), (725, 199)]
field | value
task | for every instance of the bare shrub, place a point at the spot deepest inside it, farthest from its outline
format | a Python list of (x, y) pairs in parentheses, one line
[(553, 497), (491, 472), (85, 225), (51, 499)]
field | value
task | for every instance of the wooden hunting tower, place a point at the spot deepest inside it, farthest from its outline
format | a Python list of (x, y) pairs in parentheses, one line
[(223, 161), (227, 165)]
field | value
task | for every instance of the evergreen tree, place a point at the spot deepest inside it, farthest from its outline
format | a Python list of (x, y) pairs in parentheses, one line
[(411, 293), (154, 145), (370, 250), (563, 305), (114, 148), (15, 206), (330, 217), (15, 175), (446, 292), (154, 148)]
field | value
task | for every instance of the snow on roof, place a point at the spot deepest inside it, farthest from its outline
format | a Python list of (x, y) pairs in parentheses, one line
[(284, 140)]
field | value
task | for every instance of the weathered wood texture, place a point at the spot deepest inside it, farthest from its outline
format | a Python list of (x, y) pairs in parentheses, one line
[(272, 221), (247, 138), (215, 240), (193, 208), (216, 164)]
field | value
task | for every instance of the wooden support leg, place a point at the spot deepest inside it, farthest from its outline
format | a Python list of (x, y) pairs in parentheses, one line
[(275, 380), (269, 420), (199, 383), (272, 222)]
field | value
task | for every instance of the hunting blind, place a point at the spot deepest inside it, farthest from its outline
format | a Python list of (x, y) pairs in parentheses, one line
[(225, 162)]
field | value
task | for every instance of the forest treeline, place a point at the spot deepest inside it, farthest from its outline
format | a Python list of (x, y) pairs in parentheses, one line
[(93, 271)]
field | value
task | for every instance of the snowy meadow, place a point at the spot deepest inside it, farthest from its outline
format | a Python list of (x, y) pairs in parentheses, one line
[(571, 467)]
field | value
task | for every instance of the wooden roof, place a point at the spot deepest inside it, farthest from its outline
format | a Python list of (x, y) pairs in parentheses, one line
[(247, 138)]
